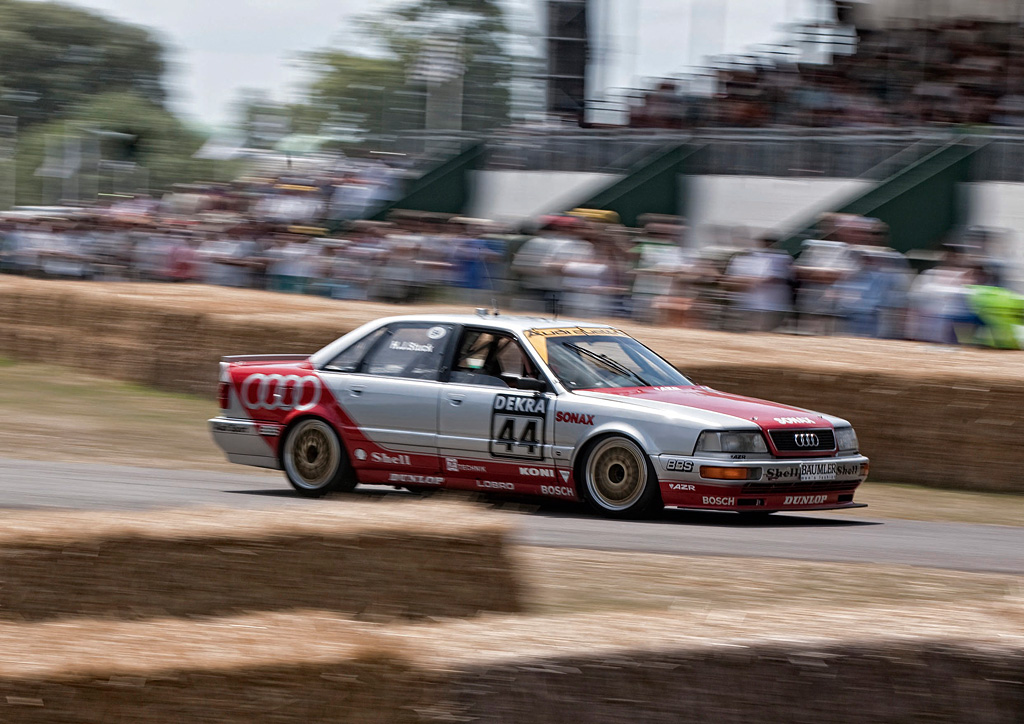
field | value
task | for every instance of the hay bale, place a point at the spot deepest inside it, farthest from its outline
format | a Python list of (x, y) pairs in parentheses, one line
[(411, 559), (780, 665)]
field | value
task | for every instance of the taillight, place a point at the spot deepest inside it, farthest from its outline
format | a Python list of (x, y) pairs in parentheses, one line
[(224, 395)]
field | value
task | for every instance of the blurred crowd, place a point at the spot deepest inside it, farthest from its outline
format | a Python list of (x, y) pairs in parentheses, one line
[(584, 264), (953, 72)]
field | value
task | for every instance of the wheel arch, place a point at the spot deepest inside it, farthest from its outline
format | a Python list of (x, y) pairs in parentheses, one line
[(623, 429)]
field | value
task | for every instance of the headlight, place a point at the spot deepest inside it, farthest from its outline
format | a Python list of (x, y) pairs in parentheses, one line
[(731, 442), (846, 439)]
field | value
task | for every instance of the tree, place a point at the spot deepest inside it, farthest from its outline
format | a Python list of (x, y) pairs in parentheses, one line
[(423, 46), (432, 37), (111, 134), (53, 57)]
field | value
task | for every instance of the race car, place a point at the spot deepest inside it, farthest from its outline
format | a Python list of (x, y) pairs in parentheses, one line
[(527, 407)]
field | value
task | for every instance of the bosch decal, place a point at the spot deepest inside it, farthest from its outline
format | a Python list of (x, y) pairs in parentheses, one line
[(517, 427), (794, 420), (574, 418), (709, 500), (556, 490), (281, 392)]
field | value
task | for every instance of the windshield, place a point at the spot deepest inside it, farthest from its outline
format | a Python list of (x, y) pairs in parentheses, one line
[(602, 360)]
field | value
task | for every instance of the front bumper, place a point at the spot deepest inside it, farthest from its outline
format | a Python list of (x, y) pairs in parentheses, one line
[(770, 485), (246, 442)]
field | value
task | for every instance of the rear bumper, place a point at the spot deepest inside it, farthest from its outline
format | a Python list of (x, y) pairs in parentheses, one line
[(246, 442)]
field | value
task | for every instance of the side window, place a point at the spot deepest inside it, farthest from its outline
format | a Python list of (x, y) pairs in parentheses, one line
[(348, 361), (483, 357), (413, 351)]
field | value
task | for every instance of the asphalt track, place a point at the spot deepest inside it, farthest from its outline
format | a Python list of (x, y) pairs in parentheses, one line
[(855, 537)]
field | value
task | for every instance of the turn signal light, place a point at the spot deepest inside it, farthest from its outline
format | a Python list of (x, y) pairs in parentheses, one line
[(713, 473), (223, 392)]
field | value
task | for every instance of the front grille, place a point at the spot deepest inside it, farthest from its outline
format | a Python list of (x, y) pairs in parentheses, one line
[(787, 440), (812, 486)]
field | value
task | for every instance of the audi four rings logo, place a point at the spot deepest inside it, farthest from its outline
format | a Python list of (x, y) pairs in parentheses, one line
[(281, 392), (806, 439)]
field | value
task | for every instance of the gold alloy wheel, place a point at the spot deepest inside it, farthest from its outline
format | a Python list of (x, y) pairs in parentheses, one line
[(616, 474), (312, 454)]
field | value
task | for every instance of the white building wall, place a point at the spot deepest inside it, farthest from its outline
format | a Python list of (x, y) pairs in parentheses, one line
[(522, 195), (719, 204), (999, 205)]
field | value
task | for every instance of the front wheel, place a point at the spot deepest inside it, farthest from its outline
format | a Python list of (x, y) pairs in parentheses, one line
[(314, 460), (618, 479)]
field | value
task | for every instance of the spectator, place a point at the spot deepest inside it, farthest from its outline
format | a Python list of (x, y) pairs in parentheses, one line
[(760, 279)]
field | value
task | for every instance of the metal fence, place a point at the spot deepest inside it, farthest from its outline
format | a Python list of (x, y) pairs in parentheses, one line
[(826, 153)]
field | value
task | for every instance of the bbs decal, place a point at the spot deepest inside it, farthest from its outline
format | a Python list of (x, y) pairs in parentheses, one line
[(517, 427)]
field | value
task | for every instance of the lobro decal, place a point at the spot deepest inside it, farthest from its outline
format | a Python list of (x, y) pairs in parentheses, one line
[(281, 392), (574, 417), (494, 485), (517, 426)]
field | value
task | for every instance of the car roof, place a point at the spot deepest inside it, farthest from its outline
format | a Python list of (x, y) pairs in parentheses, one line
[(509, 324)]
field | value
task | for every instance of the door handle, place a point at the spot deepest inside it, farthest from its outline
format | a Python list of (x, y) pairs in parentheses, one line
[(355, 391), (456, 399)]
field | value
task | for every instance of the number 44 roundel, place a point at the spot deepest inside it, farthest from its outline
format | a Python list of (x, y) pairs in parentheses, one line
[(517, 427)]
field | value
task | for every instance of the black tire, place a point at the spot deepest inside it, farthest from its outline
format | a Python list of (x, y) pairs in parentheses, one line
[(618, 479), (314, 460)]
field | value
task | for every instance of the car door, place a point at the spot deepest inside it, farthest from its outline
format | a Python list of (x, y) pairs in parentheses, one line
[(490, 435), (390, 397)]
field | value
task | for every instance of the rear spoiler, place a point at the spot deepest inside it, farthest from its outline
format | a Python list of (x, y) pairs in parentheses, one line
[(266, 358)]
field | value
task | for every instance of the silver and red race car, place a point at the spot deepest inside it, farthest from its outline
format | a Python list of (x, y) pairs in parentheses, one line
[(566, 410)]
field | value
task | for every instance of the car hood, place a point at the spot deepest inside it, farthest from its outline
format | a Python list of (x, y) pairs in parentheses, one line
[(766, 415)]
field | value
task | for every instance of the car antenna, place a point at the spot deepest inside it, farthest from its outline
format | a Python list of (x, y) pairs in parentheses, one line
[(494, 306)]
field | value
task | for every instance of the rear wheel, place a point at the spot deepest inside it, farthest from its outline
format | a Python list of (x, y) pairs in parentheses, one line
[(618, 478), (314, 459)]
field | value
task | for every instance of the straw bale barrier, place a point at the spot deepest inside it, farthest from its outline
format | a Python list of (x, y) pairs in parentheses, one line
[(925, 414), (366, 559), (309, 666)]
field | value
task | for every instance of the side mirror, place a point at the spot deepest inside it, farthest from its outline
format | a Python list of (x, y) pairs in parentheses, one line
[(516, 382)]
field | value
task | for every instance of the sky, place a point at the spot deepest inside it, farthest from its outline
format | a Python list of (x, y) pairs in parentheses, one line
[(220, 46)]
